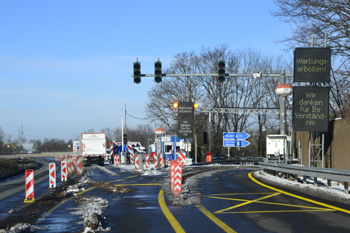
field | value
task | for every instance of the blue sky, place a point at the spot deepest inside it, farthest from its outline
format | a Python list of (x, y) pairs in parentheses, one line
[(66, 66)]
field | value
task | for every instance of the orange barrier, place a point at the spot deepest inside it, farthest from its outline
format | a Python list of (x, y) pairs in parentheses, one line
[(208, 156)]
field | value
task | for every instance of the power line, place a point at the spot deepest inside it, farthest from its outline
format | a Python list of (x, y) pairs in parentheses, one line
[(138, 118)]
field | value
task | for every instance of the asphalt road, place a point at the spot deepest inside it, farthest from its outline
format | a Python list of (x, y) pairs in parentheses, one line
[(233, 201)]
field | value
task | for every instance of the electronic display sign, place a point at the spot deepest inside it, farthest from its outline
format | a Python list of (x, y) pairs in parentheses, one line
[(310, 109), (312, 64), (185, 128)]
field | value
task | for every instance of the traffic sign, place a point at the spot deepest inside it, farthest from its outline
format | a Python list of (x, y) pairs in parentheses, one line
[(236, 143), (236, 135)]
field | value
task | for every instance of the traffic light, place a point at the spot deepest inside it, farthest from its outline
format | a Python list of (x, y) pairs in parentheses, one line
[(125, 139), (195, 105), (205, 138), (221, 71), (137, 72), (157, 71), (175, 105)]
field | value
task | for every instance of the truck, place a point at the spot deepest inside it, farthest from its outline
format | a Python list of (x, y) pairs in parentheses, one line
[(93, 148)]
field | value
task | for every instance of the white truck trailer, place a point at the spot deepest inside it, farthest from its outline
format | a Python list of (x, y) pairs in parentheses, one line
[(93, 148)]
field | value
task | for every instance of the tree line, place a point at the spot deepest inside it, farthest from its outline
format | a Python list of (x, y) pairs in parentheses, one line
[(139, 133)]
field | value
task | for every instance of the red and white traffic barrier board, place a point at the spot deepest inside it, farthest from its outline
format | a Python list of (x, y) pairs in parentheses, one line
[(116, 160), (29, 186), (63, 170), (131, 154), (182, 157), (147, 161), (155, 160), (176, 176), (161, 161), (63, 157), (79, 165), (52, 175), (137, 163), (153, 155)]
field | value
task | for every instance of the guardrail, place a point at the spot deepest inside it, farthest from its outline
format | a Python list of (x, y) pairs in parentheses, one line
[(253, 160), (295, 170)]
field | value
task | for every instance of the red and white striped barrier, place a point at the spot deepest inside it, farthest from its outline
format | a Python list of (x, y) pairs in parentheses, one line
[(79, 165), (63, 157), (153, 154), (68, 165), (137, 163), (29, 186), (155, 160), (64, 170), (147, 161), (176, 176), (52, 175), (182, 158), (116, 160)]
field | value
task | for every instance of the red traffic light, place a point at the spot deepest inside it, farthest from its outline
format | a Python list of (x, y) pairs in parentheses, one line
[(221, 64), (137, 66), (158, 65)]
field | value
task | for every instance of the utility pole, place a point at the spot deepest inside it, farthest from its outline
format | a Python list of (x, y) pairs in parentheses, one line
[(282, 105)]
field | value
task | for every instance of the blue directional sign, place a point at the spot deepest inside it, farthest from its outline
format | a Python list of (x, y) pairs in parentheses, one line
[(236, 135), (236, 143)]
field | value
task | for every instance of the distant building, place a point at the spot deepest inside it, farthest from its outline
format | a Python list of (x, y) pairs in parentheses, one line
[(28, 146)]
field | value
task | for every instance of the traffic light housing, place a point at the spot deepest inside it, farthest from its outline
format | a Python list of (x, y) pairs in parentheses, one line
[(125, 139), (205, 138), (137, 72), (221, 71), (157, 71)]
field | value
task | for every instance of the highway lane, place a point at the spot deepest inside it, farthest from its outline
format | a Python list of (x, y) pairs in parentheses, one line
[(12, 190), (244, 205), (232, 202)]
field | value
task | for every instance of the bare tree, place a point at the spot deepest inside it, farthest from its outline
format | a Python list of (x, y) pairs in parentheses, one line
[(327, 17)]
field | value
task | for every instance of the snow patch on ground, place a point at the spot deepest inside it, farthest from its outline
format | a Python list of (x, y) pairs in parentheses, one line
[(333, 193), (91, 210), (20, 227), (109, 172)]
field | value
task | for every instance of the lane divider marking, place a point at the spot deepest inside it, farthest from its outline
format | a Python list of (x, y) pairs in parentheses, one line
[(299, 197), (172, 220), (213, 218)]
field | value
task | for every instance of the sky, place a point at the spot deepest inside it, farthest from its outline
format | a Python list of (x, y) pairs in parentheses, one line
[(66, 66)]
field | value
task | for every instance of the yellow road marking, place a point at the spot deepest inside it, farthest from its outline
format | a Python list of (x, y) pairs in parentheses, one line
[(265, 202), (148, 184), (172, 220), (232, 194), (246, 203), (296, 196), (213, 218), (275, 211)]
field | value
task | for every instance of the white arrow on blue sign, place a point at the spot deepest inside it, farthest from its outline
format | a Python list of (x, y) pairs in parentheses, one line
[(236, 135), (236, 143)]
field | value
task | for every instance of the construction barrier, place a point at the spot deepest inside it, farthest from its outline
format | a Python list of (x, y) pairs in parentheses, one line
[(147, 161), (137, 163), (29, 186), (153, 155), (155, 160), (63, 158), (52, 175), (176, 176), (208, 156), (161, 161), (116, 160), (80, 165), (64, 170), (182, 157)]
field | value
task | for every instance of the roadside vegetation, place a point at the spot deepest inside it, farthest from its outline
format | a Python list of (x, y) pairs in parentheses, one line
[(7, 166)]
